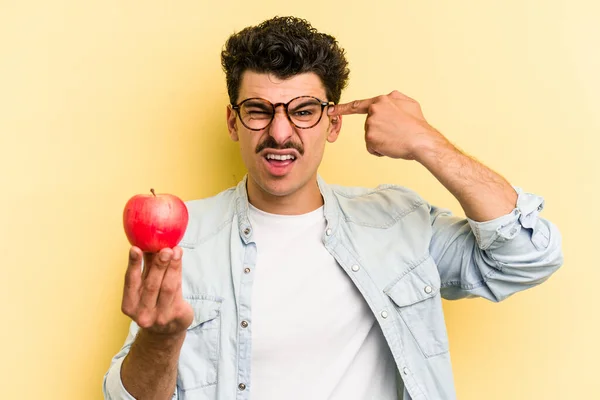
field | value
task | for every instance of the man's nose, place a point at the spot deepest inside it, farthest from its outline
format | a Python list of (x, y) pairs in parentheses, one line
[(281, 129)]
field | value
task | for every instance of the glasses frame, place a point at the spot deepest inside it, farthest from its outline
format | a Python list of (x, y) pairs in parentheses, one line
[(324, 104)]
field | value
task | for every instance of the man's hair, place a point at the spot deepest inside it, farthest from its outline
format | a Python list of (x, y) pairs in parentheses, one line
[(284, 47)]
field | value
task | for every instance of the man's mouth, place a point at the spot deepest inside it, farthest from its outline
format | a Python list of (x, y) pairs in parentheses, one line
[(280, 157), (279, 164)]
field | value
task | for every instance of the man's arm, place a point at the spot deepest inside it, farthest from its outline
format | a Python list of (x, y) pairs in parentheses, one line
[(483, 194), (503, 246), (144, 368), (152, 297), (149, 371)]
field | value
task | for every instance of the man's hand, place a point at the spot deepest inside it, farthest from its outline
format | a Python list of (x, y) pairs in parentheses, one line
[(395, 126), (153, 297), (154, 300)]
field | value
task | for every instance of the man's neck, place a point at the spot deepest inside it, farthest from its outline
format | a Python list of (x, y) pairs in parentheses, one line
[(303, 201)]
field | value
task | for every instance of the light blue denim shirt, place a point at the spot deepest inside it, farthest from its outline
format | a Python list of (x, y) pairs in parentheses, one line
[(403, 255)]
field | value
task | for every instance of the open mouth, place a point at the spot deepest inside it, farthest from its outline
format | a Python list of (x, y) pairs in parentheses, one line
[(280, 159), (279, 164)]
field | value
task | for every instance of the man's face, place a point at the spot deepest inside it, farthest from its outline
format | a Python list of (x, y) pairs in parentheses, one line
[(282, 159)]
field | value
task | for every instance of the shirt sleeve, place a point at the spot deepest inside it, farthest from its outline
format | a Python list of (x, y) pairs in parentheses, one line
[(113, 386), (497, 258), (491, 234)]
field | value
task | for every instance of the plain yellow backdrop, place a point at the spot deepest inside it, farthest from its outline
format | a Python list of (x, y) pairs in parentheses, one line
[(101, 100)]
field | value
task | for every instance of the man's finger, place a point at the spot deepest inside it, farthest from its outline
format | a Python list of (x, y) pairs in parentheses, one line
[(133, 281), (354, 107), (149, 259), (153, 280), (397, 95), (371, 151), (171, 283)]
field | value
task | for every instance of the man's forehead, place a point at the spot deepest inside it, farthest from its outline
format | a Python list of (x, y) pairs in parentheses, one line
[(274, 89)]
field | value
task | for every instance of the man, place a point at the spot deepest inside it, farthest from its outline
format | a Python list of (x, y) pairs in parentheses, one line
[(286, 287)]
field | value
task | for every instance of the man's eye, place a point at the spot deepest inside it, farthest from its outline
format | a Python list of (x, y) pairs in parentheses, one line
[(303, 113), (258, 114)]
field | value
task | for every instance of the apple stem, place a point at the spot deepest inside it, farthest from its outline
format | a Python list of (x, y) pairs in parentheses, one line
[(152, 190)]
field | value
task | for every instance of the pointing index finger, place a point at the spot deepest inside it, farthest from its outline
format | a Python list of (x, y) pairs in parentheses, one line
[(354, 107)]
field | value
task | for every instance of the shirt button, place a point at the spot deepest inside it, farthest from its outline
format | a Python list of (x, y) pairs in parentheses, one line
[(247, 231), (244, 324), (355, 268), (428, 289), (405, 371), (241, 386), (246, 270), (384, 314), (328, 232)]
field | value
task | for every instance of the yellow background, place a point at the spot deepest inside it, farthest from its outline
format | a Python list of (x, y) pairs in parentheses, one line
[(101, 100)]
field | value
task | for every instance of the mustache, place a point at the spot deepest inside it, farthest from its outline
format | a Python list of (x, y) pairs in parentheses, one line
[(270, 143)]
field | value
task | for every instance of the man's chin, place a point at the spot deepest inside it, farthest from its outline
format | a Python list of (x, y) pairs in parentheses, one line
[(279, 187)]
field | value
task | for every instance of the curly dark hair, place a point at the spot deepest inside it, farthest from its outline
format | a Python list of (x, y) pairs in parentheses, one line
[(285, 46)]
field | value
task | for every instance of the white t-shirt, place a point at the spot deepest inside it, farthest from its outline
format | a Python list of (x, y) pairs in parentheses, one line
[(313, 335)]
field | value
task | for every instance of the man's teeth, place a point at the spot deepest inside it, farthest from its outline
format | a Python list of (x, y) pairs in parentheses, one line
[(280, 157)]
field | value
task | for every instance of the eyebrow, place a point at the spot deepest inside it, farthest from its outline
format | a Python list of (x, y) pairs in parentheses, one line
[(306, 103)]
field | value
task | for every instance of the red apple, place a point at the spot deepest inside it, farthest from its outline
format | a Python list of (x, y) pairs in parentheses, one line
[(155, 221)]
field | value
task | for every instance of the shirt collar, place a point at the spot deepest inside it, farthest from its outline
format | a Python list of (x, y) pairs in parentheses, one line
[(330, 209)]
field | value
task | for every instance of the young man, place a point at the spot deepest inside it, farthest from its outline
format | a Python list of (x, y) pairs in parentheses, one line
[(286, 287)]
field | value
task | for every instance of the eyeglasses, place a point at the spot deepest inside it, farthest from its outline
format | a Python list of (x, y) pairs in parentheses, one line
[(303, 112)]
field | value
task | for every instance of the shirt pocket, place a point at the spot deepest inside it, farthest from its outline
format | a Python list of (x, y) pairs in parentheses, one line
[(416, 297), (199, 357)]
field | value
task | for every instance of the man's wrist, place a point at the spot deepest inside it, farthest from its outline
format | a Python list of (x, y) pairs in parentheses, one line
[(161, 341), (432, 147)]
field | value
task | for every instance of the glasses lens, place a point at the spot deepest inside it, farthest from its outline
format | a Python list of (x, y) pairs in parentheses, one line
[(305, 112), (256, 113)]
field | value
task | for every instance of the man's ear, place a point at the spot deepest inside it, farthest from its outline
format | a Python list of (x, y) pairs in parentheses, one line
[(335, 124), (232, 124)]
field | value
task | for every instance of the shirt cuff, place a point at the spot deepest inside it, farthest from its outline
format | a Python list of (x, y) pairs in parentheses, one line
[(506, 227), (114, 389)]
